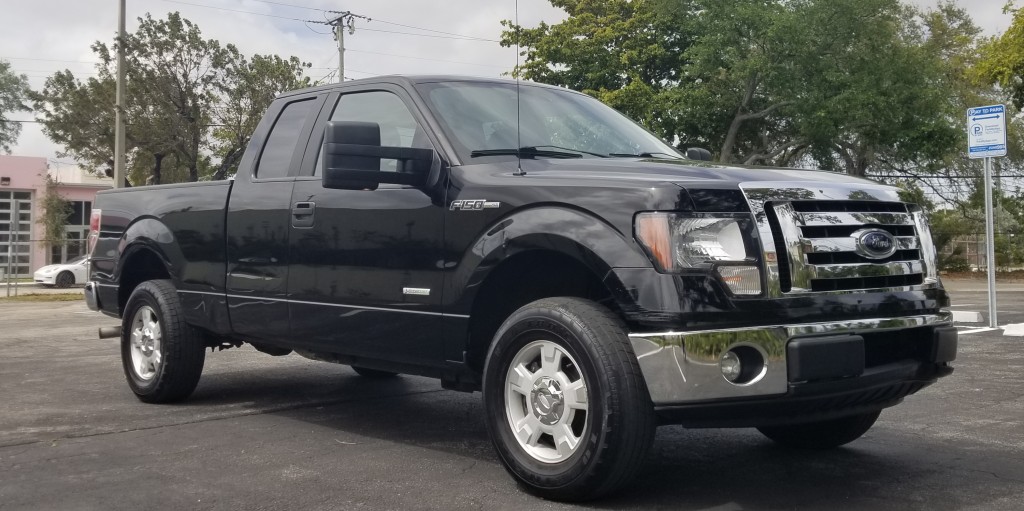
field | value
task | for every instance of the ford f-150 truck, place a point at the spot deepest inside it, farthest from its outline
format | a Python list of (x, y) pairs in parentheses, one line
[(531, 243)]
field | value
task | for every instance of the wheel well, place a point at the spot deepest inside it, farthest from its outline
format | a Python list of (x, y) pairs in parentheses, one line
[(522, 279), (139, 267)]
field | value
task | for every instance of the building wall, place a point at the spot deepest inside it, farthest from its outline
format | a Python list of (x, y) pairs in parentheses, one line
[(22, 177), (25, 177)]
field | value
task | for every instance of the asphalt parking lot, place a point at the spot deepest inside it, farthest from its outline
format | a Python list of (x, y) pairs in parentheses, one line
[(287, 433)]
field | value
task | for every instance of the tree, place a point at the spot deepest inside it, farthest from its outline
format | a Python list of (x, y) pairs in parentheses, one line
[(13, 90), (178, 86), (250, 86), (624, 52), (56, 210), (79, 117), (772, 81), (180, 71), (1002, 59)]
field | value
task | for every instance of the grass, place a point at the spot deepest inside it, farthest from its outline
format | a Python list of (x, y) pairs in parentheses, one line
[(62, 297)]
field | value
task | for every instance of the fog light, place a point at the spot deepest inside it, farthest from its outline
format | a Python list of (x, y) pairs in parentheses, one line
[(731, 366), (742, 280), (743, 365)]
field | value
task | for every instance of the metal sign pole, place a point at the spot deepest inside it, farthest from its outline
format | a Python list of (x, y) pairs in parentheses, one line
[(986, 138), (12, 228), (990, 245)]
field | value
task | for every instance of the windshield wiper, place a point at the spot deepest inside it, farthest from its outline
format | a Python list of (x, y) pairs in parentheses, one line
[(642, 155), (528, 152)]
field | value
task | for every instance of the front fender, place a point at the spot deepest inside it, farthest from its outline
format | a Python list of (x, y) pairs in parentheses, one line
[(579, 235)]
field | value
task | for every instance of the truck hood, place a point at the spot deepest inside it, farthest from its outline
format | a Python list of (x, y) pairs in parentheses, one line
[(685, 173)]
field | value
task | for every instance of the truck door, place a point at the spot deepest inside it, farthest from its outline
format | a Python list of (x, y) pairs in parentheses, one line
[(366, 275), (259, 209)]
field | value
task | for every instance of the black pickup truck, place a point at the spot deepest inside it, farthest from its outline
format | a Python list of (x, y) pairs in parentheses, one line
[(589, 279)]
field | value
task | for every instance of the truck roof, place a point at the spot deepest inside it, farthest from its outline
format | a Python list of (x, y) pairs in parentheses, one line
[(416, 79)]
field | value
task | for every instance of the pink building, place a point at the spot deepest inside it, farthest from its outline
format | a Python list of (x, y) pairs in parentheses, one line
[(22, 236)]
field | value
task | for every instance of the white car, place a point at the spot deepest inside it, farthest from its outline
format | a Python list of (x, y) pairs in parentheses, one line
[(64, 275)]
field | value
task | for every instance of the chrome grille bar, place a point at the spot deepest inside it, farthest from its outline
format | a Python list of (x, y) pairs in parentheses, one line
[(826, 219), (848, 244), (813, 237)]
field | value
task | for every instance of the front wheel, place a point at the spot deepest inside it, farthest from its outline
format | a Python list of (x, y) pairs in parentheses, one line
[(162, 355), (566, 405), (822, 434), (64, 279)]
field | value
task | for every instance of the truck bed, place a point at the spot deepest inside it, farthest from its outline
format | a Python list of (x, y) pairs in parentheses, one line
[(182, 223)]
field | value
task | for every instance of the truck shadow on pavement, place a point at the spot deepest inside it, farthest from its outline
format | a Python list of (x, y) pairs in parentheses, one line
[(687, 469)]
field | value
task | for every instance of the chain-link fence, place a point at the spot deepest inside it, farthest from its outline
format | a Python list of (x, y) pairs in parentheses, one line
[(21, 257), (967, 252)]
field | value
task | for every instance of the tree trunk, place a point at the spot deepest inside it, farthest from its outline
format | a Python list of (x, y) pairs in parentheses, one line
[(157, 168), (730, 138), (229, 161), (725, 156)]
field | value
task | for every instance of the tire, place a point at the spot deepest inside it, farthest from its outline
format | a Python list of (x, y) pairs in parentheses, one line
[(539, 355), (161, 354), (822, 434), (64, 279), (373, 373)]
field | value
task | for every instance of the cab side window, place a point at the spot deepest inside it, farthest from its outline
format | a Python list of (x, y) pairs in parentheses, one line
[(276, 158), (398, 128)]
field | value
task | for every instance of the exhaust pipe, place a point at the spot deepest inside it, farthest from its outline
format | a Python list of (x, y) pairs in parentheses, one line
[(107, 332)]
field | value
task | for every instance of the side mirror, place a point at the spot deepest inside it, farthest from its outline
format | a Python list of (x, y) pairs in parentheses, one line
[(698, 153), (352, 155)]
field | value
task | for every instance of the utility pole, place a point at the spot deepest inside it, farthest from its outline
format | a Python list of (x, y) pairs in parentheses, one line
[(345, 20), (339, 35), (119, 103)]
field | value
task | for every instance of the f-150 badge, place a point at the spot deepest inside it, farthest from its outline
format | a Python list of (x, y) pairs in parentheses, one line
[(474, 205)]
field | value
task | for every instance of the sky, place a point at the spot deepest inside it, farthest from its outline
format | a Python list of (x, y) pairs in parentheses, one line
[(40, 37)]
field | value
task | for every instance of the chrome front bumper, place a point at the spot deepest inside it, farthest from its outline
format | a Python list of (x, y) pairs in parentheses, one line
[(683, 367)]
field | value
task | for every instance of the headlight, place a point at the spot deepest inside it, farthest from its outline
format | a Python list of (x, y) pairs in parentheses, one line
[(929, 255), (677, 241)]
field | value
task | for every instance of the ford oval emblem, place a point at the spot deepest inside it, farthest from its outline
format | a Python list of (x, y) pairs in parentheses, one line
[(875, 243)]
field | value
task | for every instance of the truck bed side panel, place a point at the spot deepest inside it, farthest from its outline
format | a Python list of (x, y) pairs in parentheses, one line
[(183, 225)]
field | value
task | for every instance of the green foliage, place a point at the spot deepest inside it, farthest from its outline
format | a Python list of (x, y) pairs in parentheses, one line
[(13, 91), (249, 88), (56, 210), (188, 100), (780, 82), (1002, 59)]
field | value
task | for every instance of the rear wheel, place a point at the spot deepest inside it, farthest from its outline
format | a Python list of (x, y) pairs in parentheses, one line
[(566, 405), (64, 279), (822, 434), (162, 355), (373, 373)]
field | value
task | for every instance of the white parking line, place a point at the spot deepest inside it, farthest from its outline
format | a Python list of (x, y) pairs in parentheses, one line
[(1014, 329), (978, 330), (966, 317)]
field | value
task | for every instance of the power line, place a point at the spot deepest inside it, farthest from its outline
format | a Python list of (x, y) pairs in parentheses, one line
[(449, 36), (51, 60), (235, 10), (284, 4), (426, 58), (460, 38), (45, 71), (438, 31), (290, 5)]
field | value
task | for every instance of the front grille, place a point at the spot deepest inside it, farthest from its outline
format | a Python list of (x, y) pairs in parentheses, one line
[(820, 251), (853, 257)]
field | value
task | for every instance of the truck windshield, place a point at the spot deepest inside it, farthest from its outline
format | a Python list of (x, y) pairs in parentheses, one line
[(480, 120)]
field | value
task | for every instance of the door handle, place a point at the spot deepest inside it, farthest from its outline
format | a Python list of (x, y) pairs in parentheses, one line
[(302, 214)]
